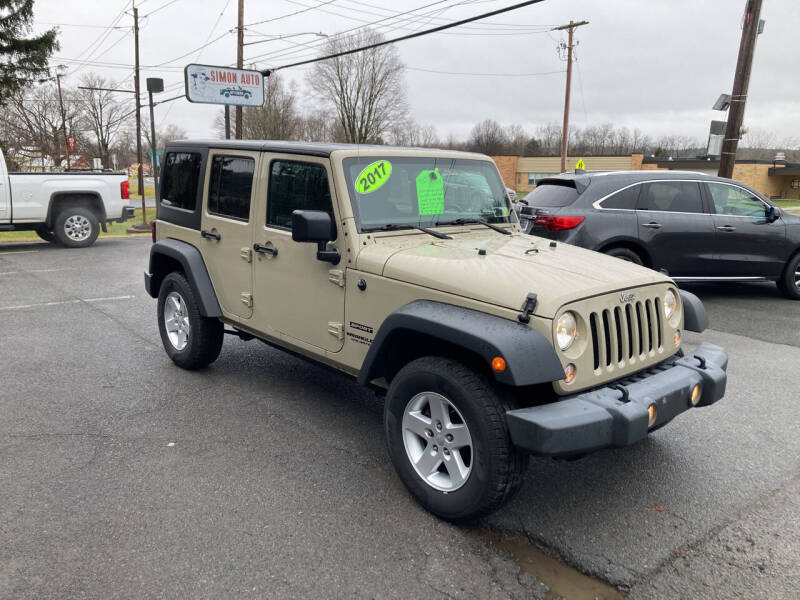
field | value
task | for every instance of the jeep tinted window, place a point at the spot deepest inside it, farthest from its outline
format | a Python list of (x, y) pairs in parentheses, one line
[(296, 186), (623, 199), (230, 185), (181, 175), (671, 196), (552, 194)]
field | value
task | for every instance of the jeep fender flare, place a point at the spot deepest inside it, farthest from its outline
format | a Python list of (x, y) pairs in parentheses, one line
[(694, 313), (164, 255), (530, 357)]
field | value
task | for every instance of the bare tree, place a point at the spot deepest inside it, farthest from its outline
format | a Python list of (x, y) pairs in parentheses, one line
[(103, 113), (365, 90), (488, 137), (315, 127), (32, 127), (277, 119)]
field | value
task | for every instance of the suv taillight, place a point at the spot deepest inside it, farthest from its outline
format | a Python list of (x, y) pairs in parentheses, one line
[(555, 223), (125, 189)]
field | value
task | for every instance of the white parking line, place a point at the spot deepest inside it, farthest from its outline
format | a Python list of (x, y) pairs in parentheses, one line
[(37, 271), (60, 302)]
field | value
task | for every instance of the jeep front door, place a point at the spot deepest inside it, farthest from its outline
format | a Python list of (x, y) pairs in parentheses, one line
[(225, 229), (300, 298)]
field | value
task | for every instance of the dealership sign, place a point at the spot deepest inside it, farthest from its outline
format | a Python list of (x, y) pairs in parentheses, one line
[(223, 85)]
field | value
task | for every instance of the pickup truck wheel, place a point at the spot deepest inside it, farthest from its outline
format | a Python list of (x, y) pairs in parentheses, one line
[(44, 233), (448, 440), (191, 340), (76, 227)]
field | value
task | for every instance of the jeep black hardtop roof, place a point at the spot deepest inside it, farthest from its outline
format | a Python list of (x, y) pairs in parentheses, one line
[(308, 148)]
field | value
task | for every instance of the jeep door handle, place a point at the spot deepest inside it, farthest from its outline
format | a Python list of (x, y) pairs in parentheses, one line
[(210, 235), (726, 228), (652, 225), (265, 249)]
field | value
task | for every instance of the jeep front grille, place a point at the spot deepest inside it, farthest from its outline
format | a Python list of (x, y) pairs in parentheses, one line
[(627, 333)]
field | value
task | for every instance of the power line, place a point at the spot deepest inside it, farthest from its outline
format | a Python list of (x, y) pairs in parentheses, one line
[(299, 12), (485, 74), (408, 37), (341, 35), (162, 7)]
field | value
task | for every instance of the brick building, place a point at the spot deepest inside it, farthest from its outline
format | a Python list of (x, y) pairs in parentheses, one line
[(773, 179)]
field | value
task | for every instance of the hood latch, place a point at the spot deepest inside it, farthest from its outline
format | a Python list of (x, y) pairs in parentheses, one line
[(527, 309)]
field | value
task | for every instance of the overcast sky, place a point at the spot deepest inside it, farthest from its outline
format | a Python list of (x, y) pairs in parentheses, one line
[(658, 65)]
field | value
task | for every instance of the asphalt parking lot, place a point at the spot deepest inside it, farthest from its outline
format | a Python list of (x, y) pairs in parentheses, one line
[(123, 476)]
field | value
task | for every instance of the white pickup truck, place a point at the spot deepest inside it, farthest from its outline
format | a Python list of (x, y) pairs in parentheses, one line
[(67, 208)]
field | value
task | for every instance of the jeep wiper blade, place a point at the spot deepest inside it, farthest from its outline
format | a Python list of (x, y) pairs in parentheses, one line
[(478, 222), (396, 226)]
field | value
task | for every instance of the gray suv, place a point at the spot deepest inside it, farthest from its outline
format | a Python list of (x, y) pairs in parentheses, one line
[(696, 227)]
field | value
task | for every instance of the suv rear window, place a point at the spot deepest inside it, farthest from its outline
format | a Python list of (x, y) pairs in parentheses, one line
[(180, 179), (552, 195)]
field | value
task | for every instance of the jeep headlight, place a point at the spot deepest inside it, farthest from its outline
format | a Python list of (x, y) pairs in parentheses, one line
[(566, 330), (670, 303)]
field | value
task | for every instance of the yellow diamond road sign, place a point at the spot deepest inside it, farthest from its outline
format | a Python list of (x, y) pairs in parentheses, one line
[(580, 164)]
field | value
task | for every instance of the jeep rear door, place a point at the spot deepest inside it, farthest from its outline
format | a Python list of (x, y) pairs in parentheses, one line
[(225, 227), (295, 294), (675, 227)]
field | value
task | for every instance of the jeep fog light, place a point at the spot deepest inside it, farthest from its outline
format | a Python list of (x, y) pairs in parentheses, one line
[(652, 413), (697, 391), (569, 373), (676, 337), (566, 330)]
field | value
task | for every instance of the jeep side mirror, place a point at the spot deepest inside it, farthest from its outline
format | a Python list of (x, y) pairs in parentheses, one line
[(316, 226)]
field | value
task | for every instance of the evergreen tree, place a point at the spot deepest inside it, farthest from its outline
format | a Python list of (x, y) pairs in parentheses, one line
[(22, 59)]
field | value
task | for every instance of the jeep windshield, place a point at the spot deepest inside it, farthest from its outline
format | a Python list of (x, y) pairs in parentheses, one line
[(395, 192)]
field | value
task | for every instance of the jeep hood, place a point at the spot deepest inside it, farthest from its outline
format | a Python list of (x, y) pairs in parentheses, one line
[(510, 269)]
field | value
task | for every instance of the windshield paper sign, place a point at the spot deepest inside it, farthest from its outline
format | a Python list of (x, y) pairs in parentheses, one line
[(222, 85)]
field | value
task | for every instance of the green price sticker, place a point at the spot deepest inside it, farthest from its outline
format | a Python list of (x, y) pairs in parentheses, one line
[(373, 176), (430, 193)]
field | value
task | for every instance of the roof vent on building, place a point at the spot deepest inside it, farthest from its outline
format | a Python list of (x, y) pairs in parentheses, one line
[(780, 157)]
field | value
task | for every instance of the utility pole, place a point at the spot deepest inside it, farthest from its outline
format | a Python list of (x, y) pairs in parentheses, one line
[(136, 87), (565, 129), (63, 118), (741, 82), (239, 63)]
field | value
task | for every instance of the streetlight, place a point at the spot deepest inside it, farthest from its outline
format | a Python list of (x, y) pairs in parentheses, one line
[(154, 84)]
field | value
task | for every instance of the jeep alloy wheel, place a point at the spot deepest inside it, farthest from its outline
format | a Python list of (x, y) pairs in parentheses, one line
[(176, 321), (437, 441), (191, 340), (448, 440)]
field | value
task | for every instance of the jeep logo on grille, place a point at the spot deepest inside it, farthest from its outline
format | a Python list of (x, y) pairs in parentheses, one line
[(627, 298)]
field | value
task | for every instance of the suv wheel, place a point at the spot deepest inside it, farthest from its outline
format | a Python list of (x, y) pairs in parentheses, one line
[(191, 340), (625, 254), (447, 438), (789, 283), (76, 227)]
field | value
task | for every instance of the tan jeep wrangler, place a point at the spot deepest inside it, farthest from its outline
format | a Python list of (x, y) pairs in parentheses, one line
[(407, 269)]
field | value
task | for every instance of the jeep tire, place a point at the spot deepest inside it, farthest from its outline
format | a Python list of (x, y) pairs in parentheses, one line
[(191, 340), (76, 227), (448, 439)]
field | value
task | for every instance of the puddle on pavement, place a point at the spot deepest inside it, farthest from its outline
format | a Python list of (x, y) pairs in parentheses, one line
[(563, 581)]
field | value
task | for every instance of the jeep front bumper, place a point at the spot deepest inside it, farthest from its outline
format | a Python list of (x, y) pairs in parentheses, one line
[(617, 415)]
